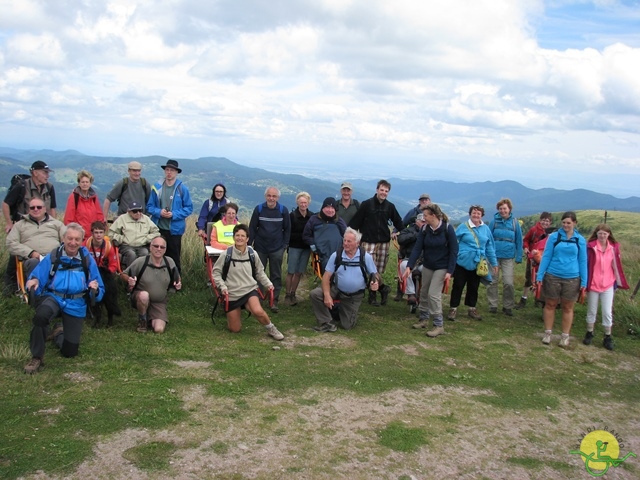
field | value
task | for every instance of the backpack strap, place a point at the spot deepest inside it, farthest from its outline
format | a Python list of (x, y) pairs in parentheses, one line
[(144, 267), (56, 255), (228, 260), (338, 261)]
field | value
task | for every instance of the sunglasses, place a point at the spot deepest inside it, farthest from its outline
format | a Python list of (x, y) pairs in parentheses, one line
[(161, 247), (136, 211), (36, 207)]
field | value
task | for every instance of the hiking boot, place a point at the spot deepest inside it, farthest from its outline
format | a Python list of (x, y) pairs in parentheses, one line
[(142, 325), (521, 304), (608, 342), (588, 338), (33, 366), (274, 307), (373, 301), (293, 301), (493, 310), (564, 342), (411, 300), (384, 294), (435, 331), (326, 327), (423, 323), (399, 293), (287, 299), (473, 313), (274, 333), (57, 330), (508, 312), (546, 338), (452, 314)]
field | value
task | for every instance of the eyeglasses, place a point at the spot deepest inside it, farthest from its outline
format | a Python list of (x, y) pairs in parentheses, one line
[(161, 247), (136, 211), (36, 207)]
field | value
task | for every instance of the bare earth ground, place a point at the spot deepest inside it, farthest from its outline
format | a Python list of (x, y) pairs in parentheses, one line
[(327, 434)]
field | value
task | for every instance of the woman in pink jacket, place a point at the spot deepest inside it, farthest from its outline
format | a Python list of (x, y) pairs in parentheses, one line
[(83, 206), (605, 275)]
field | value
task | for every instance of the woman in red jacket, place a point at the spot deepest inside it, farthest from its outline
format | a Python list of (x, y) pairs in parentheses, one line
[(605, 275), (83, 206)]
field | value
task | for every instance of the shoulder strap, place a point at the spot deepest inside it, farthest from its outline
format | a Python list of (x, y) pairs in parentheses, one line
[(227, 262), (125, 185), (55, 263), (76, 198), (139, 276), (474, 234), (147, 191)]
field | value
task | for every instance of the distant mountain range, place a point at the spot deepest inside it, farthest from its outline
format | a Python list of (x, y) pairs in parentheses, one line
[(246, 185)]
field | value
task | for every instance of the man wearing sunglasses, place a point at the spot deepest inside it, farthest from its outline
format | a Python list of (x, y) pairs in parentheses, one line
[(34, 236), (149, 280), (132, 233)]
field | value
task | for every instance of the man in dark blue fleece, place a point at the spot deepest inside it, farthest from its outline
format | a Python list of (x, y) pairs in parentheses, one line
[(269, 231)]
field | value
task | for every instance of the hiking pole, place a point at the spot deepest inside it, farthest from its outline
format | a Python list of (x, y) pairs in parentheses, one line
[(635, 290)]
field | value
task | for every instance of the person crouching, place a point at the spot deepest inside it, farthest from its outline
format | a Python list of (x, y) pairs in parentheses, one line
[(238, 280)]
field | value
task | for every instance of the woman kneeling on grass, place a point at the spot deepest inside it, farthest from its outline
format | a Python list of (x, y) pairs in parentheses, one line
[(240, 285), (605, 275), (563, 273)]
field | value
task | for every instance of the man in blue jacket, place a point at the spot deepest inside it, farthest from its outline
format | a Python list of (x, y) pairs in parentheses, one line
[(169, 206), (63, 281), (507, 237), (269, 232)]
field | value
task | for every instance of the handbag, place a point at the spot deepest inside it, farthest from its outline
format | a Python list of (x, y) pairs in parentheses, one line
[(482, 269)]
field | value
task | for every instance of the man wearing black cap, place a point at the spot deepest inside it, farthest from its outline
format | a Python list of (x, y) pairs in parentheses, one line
[(169, 206), (17, 199), (16, 206), (132, 233), (324, 231)]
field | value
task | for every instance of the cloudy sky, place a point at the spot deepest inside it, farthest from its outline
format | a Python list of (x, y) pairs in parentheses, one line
[(543, 92)]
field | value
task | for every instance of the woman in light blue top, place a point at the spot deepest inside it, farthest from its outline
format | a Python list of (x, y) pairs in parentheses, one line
[(563, 273), (474, 242)]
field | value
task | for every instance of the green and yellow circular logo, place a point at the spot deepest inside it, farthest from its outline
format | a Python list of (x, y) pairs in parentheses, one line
[(600, 450)]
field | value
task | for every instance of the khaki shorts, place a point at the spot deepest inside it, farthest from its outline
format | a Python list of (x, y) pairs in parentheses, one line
[(563, 288), (156, 310)]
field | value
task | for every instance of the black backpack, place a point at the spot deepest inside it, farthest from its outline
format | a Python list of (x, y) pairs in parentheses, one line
[(56, 264), (361, 263), (172, 272), (228, 260), (18, 181), (143, 182)]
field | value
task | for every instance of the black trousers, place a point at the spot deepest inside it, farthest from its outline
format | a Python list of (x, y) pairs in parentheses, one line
[(68, 341), (174, 247), (462, 277)]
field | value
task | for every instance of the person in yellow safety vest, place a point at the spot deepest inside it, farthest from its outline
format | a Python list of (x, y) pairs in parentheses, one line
[(222, 231)]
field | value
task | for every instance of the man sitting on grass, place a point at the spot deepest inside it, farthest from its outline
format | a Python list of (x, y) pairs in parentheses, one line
[(345, 280), (237, 279)]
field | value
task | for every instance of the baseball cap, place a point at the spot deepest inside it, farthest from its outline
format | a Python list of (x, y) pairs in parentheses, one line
[(135, 206), (40, 165), (425, 196), (346, 185)]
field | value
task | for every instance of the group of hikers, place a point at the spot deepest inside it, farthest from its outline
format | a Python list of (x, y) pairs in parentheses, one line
[(71, 266)]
